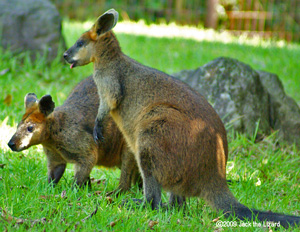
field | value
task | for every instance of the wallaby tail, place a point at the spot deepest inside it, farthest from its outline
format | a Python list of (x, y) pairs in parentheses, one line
[(279, 219), (223, 200)]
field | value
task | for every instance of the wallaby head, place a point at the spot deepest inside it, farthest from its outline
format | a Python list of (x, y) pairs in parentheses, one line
[(91, 43), (32, 128)]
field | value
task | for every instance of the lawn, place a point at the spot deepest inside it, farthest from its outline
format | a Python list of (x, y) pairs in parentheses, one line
[(264, 175)]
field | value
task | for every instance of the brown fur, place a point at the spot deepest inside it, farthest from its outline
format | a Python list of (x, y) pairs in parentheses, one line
[(178, 139), (66, 136)]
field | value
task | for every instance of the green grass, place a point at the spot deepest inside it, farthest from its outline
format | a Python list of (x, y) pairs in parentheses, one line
[(266, 175)]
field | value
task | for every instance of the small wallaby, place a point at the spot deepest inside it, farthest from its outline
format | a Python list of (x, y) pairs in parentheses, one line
[(178, 139), (66, 134)]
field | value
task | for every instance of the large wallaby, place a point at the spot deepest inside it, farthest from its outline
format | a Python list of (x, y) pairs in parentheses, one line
[(66, 133), (177, 138)]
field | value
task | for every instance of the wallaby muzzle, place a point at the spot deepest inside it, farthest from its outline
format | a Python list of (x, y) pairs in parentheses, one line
[(12, 145), (68, 56)]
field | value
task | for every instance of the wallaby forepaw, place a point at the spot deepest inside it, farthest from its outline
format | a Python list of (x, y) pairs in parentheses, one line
[(97, 133)]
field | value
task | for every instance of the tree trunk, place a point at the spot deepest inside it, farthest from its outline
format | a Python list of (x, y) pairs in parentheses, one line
[(211, 20)]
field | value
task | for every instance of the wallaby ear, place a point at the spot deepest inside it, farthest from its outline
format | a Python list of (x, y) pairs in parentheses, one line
[(30, 99), (46, 105), (104, 23)]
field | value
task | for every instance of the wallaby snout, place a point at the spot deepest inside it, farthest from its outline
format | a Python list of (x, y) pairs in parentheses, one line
[(69, 58), (66, 56), (12, 145), (27, 134), (81, 52), (22, 140)]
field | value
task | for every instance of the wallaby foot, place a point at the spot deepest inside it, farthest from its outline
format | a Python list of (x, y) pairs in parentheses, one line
[(152, 191), (56, 173), (82, 173), (83, 183), (176, 200)]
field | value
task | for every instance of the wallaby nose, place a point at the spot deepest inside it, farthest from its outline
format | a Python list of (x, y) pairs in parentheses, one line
[(12, 145), (66, 55)]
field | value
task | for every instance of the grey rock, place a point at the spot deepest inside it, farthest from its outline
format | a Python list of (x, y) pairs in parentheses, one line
[(246, 99), (31, 25), (284, 111)]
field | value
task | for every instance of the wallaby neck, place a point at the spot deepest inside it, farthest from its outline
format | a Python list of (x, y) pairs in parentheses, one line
[(108, 52), (54, 121)]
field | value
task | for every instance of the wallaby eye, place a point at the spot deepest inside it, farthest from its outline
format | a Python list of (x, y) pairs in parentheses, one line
[(30, 128), (80, 43)]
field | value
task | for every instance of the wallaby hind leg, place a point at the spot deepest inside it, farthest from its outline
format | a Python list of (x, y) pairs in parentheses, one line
[(152, 192), (56, 167), (55, 173), (152, 189), (82, 173), (128, 170), (136, 178), (129, 173)]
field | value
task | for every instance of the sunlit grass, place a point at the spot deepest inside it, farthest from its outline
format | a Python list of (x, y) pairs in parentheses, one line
[(6, 132), (173, 30)]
